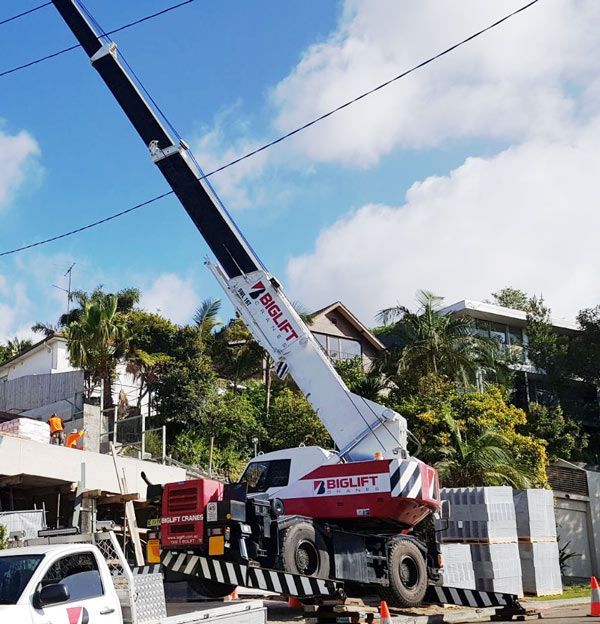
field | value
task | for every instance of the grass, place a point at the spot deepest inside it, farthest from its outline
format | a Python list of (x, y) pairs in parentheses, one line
[(569, 591)]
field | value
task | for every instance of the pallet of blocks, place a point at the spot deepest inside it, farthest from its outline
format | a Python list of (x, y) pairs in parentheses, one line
[(538, 546), (483, 520), (342, 611), (457, 569)]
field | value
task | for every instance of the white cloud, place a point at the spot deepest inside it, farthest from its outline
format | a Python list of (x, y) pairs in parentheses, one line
[(171, 296), (15, 154), (14, 306), (214, 149), (516, 81), (527, 217)]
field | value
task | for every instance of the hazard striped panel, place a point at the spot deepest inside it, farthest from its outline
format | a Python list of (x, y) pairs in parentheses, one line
[(406, 480), (470, 597), (258, 578), (155, 568)]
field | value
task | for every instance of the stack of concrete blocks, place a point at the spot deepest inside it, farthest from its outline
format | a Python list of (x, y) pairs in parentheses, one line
[(458, 566), (484, 519), (538, 546), (27, 428)]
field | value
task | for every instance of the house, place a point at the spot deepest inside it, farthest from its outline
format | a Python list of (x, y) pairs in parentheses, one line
[(42, 381), (343, 336), (509, 328)]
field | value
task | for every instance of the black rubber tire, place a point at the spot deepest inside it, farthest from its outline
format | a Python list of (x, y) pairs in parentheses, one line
[(211, 589), (304, 551), (407, 575)]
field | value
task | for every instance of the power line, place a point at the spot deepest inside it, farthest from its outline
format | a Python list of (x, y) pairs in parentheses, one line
[(19, 15), (52, 55), (283, 137)]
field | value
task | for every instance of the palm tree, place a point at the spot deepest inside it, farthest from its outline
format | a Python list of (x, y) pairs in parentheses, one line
[(486, 460), (13, 348), (146, 368), (206, 317), (442, 344), (97, 340)]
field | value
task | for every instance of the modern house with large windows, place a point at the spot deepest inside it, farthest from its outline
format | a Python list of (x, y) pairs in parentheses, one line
[(509, 328), (343, 336)]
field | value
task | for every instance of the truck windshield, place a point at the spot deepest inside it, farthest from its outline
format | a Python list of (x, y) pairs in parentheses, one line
[(262, 475), (15, 572)]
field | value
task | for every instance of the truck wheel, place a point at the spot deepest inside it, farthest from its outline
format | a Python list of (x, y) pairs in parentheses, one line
[(304, 551), (211, 589), (407, 573)]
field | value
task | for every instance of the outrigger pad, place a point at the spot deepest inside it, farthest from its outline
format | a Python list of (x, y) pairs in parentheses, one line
[(470, 597), (243, 575)]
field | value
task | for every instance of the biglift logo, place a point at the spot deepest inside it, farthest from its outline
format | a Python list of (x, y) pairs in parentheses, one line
[(259, 292), (358, 484)]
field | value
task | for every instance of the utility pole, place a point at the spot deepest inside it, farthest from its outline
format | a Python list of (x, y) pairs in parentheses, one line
[(68, 274)]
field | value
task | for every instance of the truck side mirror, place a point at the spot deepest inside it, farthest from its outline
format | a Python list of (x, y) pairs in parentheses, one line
[(443, 513), (50, 595)]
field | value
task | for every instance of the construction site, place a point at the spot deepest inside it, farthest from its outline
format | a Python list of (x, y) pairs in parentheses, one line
[(348, 516)]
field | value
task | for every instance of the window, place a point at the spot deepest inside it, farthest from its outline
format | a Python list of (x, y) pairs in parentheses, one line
[(15, 573), (79, 573), (262, 475), (498, 333), (339, 348)]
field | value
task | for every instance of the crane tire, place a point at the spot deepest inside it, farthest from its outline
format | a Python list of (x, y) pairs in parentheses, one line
[(407, 572), (304, 551)]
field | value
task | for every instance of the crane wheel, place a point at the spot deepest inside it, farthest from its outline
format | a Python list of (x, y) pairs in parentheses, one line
[(211, 589), (407, 572), (304, 551)]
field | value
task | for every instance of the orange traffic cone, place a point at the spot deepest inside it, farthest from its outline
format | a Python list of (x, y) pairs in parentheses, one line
[(595, 605), (384, 613), (232, 596), (294, 603)]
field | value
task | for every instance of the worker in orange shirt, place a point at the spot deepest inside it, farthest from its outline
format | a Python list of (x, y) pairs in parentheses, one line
[(57, 431), (74, 437)]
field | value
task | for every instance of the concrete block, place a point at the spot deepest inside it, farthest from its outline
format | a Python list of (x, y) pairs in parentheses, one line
[(541, 568), (535, 513)]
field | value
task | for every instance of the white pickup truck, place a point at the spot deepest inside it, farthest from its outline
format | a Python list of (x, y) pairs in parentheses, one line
[(72, 583)]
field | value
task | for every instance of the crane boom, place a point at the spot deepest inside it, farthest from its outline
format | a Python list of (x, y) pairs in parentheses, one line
[(359, 427)]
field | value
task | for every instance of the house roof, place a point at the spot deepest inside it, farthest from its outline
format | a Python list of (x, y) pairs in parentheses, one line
[(36, 347), (500, 314), (339, 307)]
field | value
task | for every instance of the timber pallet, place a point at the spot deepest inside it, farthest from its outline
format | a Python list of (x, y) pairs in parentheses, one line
[(516, 614), (341, 611), (537, 540)]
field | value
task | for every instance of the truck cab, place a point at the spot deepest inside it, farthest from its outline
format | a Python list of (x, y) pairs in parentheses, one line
[(269, 472), (55, 584)]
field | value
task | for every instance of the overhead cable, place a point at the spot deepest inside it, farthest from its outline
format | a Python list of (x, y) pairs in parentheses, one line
[(279, 139), (52, 55), (19, 15)]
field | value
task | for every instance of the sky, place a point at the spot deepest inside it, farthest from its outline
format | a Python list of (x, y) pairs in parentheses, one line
[(477, 172)]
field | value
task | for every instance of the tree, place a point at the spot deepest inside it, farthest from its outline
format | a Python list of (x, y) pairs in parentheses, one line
[(562, 435), (484, 460), (439, 406), (436, 343), (367, 385), (512, 298), (206, 317), (584, 352), (13, 348), (96, 342), (236, 355)]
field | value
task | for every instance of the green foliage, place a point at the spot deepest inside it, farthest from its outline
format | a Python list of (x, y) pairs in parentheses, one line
[(235, 354), (97, 340), (292, 422), (435, 343), (469, 429), (366, 385), (13, 348), (562, 436), (585, 347), (206, 317), (3, 536), (512, 298)]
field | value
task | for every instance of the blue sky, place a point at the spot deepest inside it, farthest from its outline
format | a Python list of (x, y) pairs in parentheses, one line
[(494, 146)]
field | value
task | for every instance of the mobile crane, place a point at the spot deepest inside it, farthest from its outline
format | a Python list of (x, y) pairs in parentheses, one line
[(345, 515)]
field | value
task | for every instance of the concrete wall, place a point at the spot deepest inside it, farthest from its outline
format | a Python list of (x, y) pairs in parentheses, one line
[(49, 357), (578, 525), (19, 456)]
